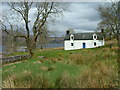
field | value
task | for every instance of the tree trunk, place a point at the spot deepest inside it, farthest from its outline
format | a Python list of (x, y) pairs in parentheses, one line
[(110, 42), (31, 52), (29, 47), (118, 39), (32, 47), (41, 47)]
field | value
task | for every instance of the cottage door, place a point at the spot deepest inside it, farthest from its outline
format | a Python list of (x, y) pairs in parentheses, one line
[(84, 45)]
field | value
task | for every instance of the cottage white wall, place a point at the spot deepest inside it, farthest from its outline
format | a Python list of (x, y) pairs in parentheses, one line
[(67, 45), (78, 44)]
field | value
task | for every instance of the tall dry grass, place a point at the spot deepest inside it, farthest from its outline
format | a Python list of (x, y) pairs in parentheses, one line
[(55, 60), (80, 59), (26, 80), (64, 81), (97, 76), (102, 71), (100, 75)]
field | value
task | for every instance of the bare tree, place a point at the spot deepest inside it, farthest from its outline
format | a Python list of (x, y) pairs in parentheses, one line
[(43, 38), (110, 21), (10, 40), (109, 15), (44, 11)]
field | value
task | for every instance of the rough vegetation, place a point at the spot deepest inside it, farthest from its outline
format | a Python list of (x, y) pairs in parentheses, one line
[(85, 68)]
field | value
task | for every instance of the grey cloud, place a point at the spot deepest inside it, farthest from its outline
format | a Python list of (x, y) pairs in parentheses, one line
[(79, 16)]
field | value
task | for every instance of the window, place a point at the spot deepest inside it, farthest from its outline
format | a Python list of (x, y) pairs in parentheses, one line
[(94, 43), (94, 37), (71, 44), (72, 37)]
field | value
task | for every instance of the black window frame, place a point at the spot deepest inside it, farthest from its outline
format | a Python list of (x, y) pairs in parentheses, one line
[(95, 44), (72, 37), (72, 44), (95, 37)]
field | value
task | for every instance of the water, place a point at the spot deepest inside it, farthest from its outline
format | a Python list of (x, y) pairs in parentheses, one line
[(53, 45), (2, 48)]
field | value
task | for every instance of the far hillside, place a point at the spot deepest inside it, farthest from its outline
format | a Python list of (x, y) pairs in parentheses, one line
[(56, 40)]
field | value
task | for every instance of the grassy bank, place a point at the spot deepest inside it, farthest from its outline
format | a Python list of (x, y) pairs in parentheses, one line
[(85, 68)]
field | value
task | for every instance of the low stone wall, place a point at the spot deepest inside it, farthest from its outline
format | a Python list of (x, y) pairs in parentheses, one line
[(14, 58)]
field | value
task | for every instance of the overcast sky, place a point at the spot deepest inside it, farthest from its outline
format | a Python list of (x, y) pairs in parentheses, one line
[(82, 17)]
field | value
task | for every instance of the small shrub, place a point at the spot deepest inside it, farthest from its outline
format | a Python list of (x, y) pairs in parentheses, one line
[(54, 60), (60, 54), (51, 68), (40, 61), (67, 62), (108, 55), (63, 81), (115, 48), (76, 59), (60, 59), (9, 82), (106, 49), (44, 68), (81, 59)]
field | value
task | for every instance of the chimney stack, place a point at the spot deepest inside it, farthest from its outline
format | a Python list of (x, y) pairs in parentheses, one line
[(67, 32), (102, 30)]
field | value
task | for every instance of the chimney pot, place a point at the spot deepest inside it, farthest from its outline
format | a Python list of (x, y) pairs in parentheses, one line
[(102, 30), (67, 32)]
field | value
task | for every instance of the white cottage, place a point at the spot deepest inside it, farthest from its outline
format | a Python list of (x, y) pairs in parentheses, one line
[(83, 40)]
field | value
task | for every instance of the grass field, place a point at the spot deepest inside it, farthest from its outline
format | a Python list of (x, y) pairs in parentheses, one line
[(85, 68)]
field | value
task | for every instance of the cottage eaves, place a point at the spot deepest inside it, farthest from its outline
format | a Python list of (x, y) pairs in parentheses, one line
[(84, 36)]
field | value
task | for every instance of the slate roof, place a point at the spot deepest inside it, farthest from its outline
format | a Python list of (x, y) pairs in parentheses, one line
[(84, 36)]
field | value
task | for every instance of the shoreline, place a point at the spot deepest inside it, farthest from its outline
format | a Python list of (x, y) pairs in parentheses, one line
[(1, 55), (46, 49)]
